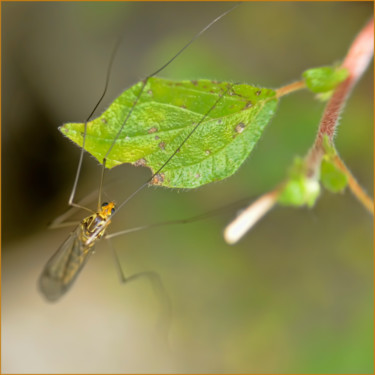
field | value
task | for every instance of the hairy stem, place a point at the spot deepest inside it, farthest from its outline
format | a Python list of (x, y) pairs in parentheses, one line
[(356, 61)]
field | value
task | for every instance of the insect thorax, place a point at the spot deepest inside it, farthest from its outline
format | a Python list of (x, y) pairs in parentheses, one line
[(93, 228)]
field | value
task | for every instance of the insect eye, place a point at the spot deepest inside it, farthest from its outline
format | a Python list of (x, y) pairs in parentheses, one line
[(104, 204), (113, 211)]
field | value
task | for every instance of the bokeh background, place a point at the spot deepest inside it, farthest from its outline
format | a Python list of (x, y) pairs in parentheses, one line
[(294, 296)]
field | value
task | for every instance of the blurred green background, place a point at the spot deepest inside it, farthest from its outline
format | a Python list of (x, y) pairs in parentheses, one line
[(294, 296)]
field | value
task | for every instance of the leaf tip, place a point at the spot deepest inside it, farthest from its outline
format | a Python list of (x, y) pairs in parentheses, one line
[(64, 129)]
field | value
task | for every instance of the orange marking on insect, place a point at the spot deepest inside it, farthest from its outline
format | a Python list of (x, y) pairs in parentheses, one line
[(106, 211)]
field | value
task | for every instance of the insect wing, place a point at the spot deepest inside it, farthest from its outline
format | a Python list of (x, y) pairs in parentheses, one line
[(64, 266)]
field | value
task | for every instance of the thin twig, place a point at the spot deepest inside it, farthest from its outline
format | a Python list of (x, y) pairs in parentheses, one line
[(285, 90), (356, 189), (250, 216)]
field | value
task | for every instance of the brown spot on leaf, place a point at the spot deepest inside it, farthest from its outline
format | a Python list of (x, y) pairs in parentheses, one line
[(208, 152), (157, 137), (194, 82), (258, 92), (240, 127), (104, 120), (162, 145), (140, 163), (197, 175), (249, 104), (152, 130), (158, 179), (183, 106), (149, 92)]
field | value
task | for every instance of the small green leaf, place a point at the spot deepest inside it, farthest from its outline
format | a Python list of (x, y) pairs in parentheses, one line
[(165, 114), (299, 190), (329, 148), (325, 78), (324, 96), (332, 178)]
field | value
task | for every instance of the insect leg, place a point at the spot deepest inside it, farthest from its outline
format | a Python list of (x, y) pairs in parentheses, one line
[(165, 316), (55, 225), (218, 211), (79, 167), (61, 222)]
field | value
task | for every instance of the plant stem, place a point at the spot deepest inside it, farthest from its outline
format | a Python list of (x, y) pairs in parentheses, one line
[(285, 90), (356, 61), (250, 216), (356, 189)]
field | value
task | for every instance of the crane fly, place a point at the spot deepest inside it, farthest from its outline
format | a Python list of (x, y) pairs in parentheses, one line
[(64, 266)]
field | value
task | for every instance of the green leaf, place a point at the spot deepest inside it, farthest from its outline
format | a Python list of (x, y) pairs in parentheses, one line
[(324, 96), (324, 79), (166, 113), (329, 148), (332, 178), (299, 190)]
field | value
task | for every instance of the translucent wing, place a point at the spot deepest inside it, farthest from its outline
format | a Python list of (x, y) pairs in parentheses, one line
[(64, 266)]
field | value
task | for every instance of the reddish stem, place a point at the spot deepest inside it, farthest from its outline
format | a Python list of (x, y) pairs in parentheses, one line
[(356, 61)]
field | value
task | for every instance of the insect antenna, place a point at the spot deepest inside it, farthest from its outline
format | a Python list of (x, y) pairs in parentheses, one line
[(174, 153), (144, 83)]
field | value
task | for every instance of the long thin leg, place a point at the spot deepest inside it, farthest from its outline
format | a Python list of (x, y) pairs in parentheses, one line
[(79, 167), (232, 206), (78, 173), (63, 225), (164, 322), (60, 221)]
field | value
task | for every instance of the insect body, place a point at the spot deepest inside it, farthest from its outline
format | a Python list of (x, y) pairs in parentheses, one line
[(64, 266)]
